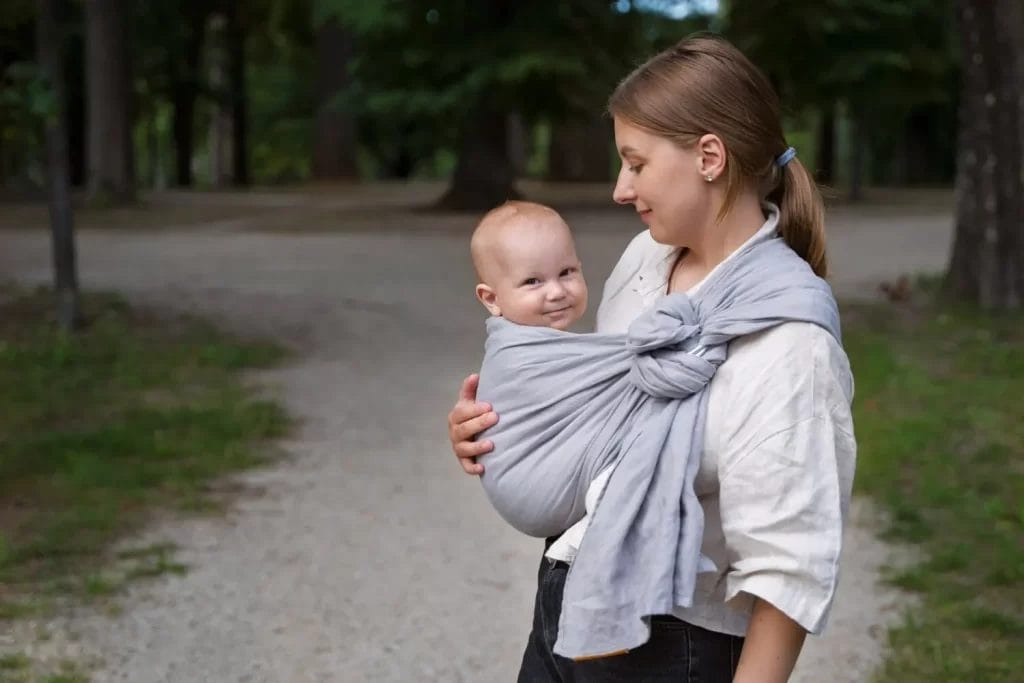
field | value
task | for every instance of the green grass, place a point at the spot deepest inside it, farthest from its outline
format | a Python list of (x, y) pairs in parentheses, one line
[(136, 412), (17, 668), (939, 415)]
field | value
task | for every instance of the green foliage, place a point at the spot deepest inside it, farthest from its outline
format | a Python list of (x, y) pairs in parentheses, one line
[(850, 50), (537, 58), (26, 102), (941, 439)]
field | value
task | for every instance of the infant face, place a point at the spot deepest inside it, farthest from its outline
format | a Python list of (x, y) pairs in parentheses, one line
[(542, 282), (531, 273)]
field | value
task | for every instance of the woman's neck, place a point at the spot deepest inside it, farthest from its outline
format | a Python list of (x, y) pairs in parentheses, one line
[(721, 239)]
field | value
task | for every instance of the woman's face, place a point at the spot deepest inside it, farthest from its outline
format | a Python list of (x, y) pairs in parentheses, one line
[(665, 184)]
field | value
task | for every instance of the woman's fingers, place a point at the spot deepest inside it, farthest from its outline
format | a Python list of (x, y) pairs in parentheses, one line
[(467, 419), (467, 429), (468, 461), (469, 387), (463, 412)]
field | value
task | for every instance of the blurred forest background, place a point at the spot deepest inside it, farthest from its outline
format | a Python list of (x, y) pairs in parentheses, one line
[(134, 106), (189, 93)]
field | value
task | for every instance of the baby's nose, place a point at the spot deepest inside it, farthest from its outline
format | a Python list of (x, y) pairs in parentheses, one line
[(556, 290)]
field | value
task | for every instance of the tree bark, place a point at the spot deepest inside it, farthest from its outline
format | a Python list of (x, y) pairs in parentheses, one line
[(59, 185), (334, 135), (110, 147), (484, 174), (220, 134), (987, 263), (185, 91), (826, 166), (579, 151)]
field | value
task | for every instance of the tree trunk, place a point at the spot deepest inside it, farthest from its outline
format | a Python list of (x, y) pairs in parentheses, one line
[(484, 174), (334, 143), (579, 151), (239, 95), (987, 264), (110, 148), (220, 135), (185, 90), (61, 220), (826, 166), (858, 143)]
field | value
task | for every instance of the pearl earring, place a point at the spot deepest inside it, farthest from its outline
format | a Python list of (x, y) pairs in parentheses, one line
[(709, 177)]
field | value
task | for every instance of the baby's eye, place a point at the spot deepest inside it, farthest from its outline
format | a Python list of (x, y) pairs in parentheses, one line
[(567, 272), (531, 281)]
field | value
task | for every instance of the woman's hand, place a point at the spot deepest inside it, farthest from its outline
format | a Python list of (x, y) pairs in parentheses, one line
[(467, 419)]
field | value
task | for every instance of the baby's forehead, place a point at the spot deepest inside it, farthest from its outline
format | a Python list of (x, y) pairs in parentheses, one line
[(530, 235)]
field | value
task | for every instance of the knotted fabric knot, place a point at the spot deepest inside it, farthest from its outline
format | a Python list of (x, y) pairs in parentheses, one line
[(662, 342)]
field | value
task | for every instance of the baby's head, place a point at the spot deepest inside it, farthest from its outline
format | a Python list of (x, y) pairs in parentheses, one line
[(526, 261)]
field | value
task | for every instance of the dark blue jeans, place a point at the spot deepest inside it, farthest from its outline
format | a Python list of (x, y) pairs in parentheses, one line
[(677, 651)]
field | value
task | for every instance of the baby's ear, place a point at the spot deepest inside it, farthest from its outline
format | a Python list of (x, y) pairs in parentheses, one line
[(488, 298)]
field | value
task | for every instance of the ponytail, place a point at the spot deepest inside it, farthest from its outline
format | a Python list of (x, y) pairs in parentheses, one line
[(802, 215)]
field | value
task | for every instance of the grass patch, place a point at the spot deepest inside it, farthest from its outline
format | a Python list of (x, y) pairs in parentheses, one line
[(17, 668), (138, 410), (940, 424)]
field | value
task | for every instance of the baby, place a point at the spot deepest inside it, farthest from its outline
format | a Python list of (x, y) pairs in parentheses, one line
[(525, 259)]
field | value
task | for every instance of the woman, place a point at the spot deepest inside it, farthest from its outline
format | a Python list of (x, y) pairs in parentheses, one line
[(706, 165)]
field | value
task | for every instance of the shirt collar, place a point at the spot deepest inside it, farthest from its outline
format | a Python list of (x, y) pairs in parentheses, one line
[(654, 278)]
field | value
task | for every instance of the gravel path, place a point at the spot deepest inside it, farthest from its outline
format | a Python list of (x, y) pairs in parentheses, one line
[(365, 555)]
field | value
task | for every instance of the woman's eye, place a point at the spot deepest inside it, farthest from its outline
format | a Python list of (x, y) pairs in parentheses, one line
[(636, 168)]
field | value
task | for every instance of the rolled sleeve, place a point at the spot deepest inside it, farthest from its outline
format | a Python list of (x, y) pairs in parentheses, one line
[(783, 504)]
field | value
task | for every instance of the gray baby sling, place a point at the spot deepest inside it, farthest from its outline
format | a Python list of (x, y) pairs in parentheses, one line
[(571, 405)]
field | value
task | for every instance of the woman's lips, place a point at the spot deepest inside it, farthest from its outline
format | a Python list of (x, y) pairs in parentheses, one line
[(645, 215)]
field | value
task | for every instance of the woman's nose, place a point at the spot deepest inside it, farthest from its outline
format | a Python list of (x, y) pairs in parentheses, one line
[(624, 192)]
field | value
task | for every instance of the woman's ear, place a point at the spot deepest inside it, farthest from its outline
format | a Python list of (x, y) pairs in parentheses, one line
[(488, 298), (711, 156)]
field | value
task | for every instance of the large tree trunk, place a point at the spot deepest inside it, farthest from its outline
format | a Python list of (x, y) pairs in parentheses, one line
[(825, 171), (48, 40), (334, 143), (110, 148), (485, 174), (987, 264), (579, 151), (185, 90)]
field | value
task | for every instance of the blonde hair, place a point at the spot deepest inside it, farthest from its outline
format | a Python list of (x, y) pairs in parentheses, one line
[(705, 85)]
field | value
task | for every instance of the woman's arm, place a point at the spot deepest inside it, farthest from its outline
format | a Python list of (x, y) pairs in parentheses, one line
[(467, 419), (772, 645)]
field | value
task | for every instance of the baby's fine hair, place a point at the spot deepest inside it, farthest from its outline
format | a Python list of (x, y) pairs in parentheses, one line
[(484, 235)]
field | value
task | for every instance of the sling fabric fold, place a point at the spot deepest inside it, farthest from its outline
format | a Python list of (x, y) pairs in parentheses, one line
[(571, 405)]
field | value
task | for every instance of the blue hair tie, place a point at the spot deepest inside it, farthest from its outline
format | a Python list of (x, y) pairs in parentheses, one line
[(785, 157)]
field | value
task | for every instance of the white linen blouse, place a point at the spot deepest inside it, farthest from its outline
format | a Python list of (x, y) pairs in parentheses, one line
[(777, 469)]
